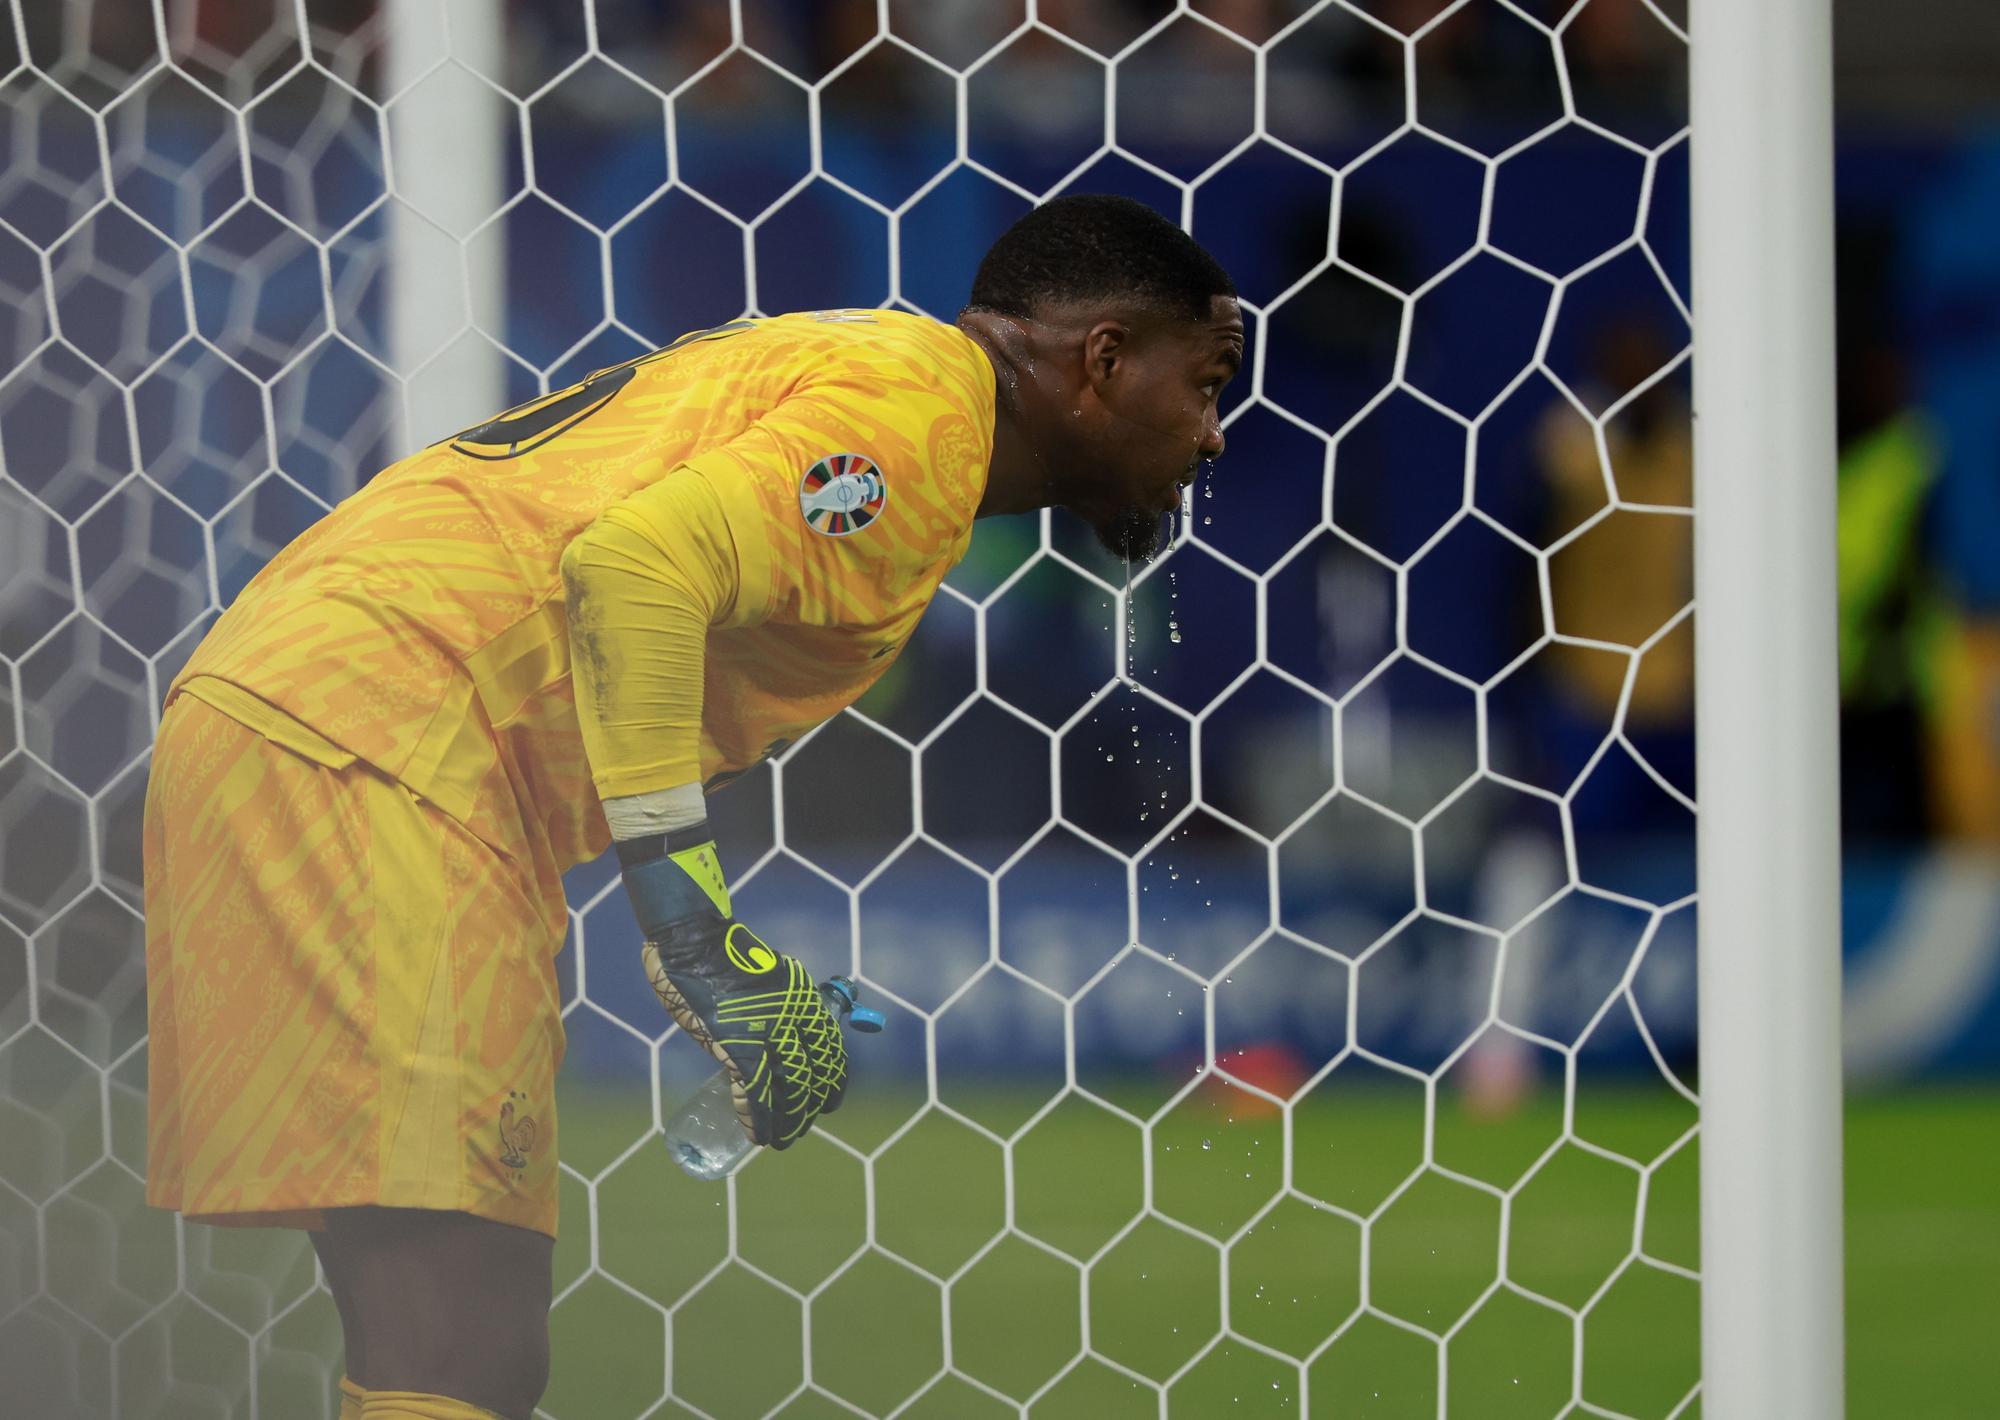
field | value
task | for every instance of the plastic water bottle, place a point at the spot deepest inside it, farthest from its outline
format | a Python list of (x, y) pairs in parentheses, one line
[(705, 1138)]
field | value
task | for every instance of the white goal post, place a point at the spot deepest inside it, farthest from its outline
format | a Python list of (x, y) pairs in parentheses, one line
[(1767, 709)]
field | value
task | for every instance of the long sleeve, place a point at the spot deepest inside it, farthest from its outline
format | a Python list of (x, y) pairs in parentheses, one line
[(645, 582)]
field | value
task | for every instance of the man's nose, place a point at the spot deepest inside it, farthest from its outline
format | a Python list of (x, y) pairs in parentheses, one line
[(1211, 438)]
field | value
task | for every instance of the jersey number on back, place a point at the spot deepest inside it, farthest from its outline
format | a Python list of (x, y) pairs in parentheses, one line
[(528, 426)]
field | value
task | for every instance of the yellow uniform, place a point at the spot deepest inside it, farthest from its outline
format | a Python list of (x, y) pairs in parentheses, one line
[(372, 773)]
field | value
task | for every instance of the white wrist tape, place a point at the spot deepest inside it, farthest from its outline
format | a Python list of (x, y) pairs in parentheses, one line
[(657, 811)]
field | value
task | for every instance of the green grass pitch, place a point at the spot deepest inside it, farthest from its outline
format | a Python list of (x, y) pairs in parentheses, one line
[(1923, 1250)]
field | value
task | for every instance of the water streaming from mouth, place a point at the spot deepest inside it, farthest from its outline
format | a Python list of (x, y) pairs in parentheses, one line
[(1131, 627)]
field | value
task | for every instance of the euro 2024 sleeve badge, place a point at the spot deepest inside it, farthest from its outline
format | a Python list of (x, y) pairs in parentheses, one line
[(842, 494)]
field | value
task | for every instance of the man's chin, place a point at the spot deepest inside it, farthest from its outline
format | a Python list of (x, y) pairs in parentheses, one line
[(1133, 534)]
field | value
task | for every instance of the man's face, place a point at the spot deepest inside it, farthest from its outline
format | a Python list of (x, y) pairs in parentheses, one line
[(1150, 421)]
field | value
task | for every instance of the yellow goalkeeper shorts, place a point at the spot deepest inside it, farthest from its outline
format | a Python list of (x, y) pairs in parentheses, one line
[(352, 997)]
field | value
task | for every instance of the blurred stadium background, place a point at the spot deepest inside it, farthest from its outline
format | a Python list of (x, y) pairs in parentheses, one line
[(1488, 311)]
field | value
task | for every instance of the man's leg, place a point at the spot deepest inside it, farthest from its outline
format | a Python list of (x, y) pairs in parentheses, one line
[(354, 1346), (443, 1304)]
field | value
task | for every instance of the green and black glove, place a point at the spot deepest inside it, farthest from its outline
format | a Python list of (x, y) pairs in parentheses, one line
[(755, 1010)]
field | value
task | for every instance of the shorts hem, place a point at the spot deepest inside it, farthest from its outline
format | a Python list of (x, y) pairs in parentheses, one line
[(309, 1213)]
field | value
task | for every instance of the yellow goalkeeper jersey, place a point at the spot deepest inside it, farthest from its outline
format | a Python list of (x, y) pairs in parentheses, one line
[(421, 626)]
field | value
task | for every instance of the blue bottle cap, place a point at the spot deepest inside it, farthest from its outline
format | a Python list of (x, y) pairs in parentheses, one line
[(841, 994)]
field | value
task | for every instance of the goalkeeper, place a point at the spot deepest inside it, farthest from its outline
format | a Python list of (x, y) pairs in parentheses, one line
[(553, 633)]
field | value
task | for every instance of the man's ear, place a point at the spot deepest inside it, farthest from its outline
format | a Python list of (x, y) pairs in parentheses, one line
[(1105, 345)]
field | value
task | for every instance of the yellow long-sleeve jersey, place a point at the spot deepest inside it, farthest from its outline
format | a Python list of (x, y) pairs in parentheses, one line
[(805, 481)]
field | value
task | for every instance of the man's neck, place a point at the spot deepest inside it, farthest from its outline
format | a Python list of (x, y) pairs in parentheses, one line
[(1017, 481)]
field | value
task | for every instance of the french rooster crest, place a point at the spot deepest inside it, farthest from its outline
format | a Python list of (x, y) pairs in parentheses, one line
[(517, 1137)]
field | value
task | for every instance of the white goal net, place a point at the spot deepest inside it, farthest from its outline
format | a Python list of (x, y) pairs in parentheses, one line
[(1287, 947)]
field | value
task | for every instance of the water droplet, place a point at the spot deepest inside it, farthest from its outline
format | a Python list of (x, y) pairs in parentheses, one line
[(1175, 637), (1205, 1144)]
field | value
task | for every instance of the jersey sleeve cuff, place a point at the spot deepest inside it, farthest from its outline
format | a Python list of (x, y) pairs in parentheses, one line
[(629, 779)]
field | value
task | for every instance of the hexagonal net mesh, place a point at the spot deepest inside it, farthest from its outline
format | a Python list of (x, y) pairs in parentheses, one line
[(1287, 943)]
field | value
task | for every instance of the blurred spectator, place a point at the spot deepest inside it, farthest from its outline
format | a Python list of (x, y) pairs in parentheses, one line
[(1890, 615), (1620, 581), (1632, 573), (1626, 69), (1948, 306), (1920, 667)]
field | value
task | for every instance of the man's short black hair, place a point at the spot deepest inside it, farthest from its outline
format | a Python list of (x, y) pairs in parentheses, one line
[(1093, 246)]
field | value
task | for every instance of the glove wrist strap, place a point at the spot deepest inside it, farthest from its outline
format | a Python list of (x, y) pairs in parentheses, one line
[(648, 846), (674, 880)]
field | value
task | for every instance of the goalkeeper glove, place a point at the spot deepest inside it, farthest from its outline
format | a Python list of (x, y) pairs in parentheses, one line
[(753, 1009)]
